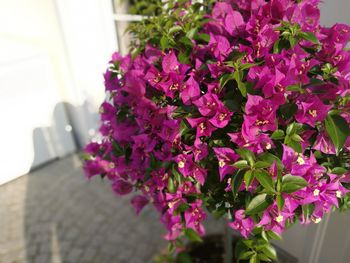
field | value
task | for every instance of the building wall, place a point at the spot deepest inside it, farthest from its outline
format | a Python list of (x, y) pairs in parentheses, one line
[(52, 57), (329, 241)]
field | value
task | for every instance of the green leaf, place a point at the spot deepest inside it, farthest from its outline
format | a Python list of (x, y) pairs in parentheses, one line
[(278, 46), (264, 179), (293, 41), (254, 259), (186, 41), (242, 164), (236, 55), (270, 251), (273, 235), (278, 135), (296, 146), (192, 235), (117, 149), (279, 185), (339, 170), (154, 162), (316, 82), (236, 182), (248, 242), (246, 155), (202, 37), (280, 202), (296, 138), (171, 186), (263, 257), (184, 258), (182, 208), (224, 79), (175, 29), (184, 58), (258, 204), (231, 105), (261, 164), (295, 87), (309, 36), (338, 130), (85, 156), (178, 176), (248, 178), (164, 43), (247, 66), (291, 183), (288, 110), (245, 255), (293, 128), (171, 247), (241, 86), (184, 128), (190, 34), (270, 158)]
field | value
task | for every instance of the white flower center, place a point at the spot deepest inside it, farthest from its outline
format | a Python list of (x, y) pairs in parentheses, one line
[(300, 160), (181, 164), (313, 113), (338, 193), (279, 218), (221, 163), (317, 220), (316, 192)]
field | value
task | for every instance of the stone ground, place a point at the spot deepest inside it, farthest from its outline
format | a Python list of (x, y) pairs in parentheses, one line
[(54, 215)]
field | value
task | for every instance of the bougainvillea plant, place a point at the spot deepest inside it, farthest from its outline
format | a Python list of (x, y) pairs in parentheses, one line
[(239, 108)]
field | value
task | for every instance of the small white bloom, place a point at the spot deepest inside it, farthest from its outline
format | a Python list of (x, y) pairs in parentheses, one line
[(300, 160), (279, 218), (181, 164), (222, 163), (317, 220), (338, 193), (316, 192)]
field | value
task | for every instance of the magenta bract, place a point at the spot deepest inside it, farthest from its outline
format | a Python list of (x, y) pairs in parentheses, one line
[(250, 107)]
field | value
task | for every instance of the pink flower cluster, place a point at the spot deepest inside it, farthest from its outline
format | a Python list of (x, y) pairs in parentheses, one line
[(253, 100)]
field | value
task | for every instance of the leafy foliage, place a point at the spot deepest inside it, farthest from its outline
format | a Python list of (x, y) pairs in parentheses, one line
[(234, 109)]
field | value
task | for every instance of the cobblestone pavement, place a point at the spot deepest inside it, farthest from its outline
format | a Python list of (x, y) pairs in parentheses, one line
[(54, 215)]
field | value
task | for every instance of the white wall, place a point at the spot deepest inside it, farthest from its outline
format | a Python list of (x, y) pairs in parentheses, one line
[(335, 11), (52, 55), (328, 241), (90, 39)]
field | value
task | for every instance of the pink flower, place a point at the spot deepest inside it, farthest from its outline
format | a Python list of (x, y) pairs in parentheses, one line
[(324, 144), (234, 23), (194, 217), (175, 116), (190, 91), (242, 223), (203, 125), (122, 187), (139, 203), (311, 110), (226, 157)]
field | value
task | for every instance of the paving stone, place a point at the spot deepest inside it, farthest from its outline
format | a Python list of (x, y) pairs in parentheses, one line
[(74, 255), (54, 215), (42, 258), (88, 254)]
